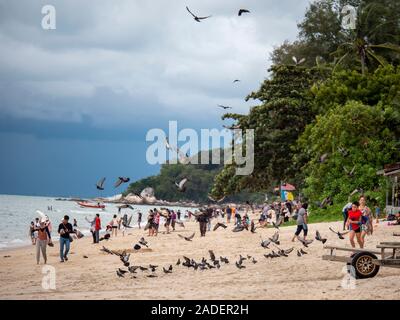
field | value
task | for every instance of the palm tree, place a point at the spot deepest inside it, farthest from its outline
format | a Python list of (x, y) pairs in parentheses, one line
[(369, 26)]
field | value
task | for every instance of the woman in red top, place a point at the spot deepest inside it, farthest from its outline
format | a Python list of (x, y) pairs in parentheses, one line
[(354, 222)]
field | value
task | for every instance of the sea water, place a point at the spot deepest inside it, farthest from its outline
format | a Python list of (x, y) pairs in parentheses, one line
[(17, 212)]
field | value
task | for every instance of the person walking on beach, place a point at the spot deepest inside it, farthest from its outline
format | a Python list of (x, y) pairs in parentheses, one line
[(75, 223), (97, 228), (156, 222), (150, 223), (139, 219), (377, 213), (32, 233), (301, 221), (114, 224), (366, 225), (64, 230), (178, 214), (92, 228), (203, 220), (168, 221), (354, 223), (42, 241), (345, 213), (173, 220)]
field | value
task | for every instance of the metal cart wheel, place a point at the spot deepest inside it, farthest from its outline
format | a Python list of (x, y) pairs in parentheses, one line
[(362, 265)]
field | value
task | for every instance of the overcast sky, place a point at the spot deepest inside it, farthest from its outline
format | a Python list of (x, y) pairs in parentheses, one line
[(76, 102)]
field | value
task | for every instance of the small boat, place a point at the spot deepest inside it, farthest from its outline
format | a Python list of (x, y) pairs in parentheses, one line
[(91, 205)]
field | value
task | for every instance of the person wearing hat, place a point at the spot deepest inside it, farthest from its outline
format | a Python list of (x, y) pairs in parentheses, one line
[(64, 230), (42, 241)]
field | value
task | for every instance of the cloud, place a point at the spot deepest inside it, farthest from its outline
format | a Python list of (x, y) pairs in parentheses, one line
[(134, 61)]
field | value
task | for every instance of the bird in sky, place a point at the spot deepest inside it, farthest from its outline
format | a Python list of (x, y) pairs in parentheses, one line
[(241, 11), (198, 19), (100, 184)]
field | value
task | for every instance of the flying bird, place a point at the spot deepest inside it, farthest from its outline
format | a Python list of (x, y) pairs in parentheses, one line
[(233, 127), (143, 242), (324, 157), (219, 224), (120, 274), (298, 62), (236, 80), (349, 173), (198, 19), (224, 107), (298, 253), (275, 238), (187, 238), (339, 234), (302, 251), (265, 243), (169, 270), (254, 261), (100, 184), (181, 185), (239, 265), (319, 238), (216, 200), (120, 181), (241, 11), (212, 255)]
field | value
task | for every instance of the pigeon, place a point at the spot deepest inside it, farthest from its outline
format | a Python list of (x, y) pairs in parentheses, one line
[(319, 238), (120, 181), (153, 268), (239, 265), (216, 200), (343, 151), (132, 269), (100, 184), (236, 80), (238, 228), (324, 157), (151, 276), (219, 224), (278, 223), (167, 270), (212, 255), (305, 242), (224, 107), (198, 19), (143, 242), (254, 261), (339, 234), (143, 268), (351, 173), (265, 243), (252, 227), (302, 251), (187, 238), (298, 253), (275, 238), (181, 185), (122, 271), (104, 249), (125, 206), (86, 257), (224, 260), (120, 274), (241, 259), (233, 127), (180, 223), (241, 11), (137, 247), (178, 262), (298, 62)]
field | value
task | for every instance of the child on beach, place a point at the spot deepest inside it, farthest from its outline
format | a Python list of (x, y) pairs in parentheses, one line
[(354, 223), (32, 233)]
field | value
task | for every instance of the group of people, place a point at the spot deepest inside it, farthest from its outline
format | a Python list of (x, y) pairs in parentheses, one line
[(169, 215)]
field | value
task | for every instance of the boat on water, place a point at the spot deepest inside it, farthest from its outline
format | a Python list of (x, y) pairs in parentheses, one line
[(91, 205)]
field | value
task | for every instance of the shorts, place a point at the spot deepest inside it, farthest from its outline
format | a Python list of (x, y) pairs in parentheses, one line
[(358, 230), (301, 228)]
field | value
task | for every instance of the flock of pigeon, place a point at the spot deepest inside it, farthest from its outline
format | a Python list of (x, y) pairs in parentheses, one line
[(213, 262)]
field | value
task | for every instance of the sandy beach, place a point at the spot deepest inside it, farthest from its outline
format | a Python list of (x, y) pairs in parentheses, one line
[(305, 277)]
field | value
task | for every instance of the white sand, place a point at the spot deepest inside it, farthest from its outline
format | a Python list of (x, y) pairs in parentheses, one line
[(306, 277)]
